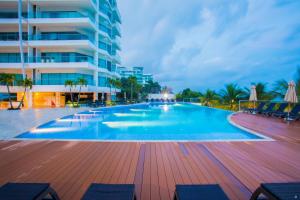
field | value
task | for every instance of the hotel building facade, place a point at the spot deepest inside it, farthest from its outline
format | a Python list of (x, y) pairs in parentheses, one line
[(137, 72), (61, 40)]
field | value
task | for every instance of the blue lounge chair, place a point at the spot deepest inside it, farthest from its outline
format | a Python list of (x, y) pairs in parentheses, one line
[(27, 191), (203, 192), (259, 108), (268, 109), (110, 192), (280, 191), (294, 112), (280, 109)]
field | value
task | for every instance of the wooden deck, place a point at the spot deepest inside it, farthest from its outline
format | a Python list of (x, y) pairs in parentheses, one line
[(155, 168)]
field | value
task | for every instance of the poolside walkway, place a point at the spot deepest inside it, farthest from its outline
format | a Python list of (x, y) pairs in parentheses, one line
[(155, 168), (13, 123)]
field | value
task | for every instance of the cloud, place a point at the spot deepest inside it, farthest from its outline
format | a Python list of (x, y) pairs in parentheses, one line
[(201, 44)]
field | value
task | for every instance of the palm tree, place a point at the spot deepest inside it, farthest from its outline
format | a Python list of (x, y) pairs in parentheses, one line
[(261, 91), (117, 85), (279, 88), (27, 84), (111, 83), (70, 84), (82, 82), (208, 97), (231, 94), (132, 81), (8, 80)]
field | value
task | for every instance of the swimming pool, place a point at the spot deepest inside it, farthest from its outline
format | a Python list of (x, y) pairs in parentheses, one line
[(144, 122)]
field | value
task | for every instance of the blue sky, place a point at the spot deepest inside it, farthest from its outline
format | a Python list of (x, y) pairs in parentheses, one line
[(207, 43)]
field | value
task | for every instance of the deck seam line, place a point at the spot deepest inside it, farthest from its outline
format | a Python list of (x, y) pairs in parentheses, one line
[(224, 169)]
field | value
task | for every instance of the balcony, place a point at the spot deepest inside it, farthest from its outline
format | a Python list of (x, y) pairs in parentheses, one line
[(116, 29), (14, 36), (62, 36), (60, 78), (46, 59), (117, 43), (65, 14)]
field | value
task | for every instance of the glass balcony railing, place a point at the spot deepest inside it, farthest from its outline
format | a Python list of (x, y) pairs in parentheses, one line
[(66, 14), (61, 59), (62, 36), (59, 81), (11, 15), (47, 59), (49, 14), (12, 36)]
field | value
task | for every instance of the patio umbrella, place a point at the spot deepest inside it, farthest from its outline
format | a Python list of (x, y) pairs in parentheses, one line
[(291, 96), (253, 95)]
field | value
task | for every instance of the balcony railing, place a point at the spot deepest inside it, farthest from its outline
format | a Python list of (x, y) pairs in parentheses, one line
[(65, 14), (11, 15), (12, 36), (62, 36), (58, 81), (47, 59), (49, 14)]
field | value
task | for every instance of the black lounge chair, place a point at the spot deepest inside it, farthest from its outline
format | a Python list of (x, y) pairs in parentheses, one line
[(268, 109), (280, 109), (110, 192), (203, 192), (259, 108), (294, 112), (282, 191), (27, 191)]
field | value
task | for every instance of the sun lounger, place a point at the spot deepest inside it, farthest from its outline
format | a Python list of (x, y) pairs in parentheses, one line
[(282, 191), (110, 192), (294, 112), (268, 109), (259, 108), (27, 191), (203, 192), (280, 109)]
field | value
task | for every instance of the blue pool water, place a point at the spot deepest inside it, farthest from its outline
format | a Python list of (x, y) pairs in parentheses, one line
[(180, 122)]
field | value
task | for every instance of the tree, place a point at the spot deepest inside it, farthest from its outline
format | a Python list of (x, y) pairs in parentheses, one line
[(70, 84), (27, 84), (82, 82), (208, 97), (261, 91), (279, 88), (151, 87), (188, 94), (8, 80), (115, 83), (111, 83), (231, 94), (131, 86), (132, 81)]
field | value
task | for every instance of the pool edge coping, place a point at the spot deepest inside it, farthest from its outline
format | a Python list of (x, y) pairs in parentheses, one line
[(264, 137)]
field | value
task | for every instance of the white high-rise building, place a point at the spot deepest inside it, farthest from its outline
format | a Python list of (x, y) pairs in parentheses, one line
[(62, 40)]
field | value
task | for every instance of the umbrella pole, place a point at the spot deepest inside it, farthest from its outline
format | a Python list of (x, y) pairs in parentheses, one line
[(288, 116)]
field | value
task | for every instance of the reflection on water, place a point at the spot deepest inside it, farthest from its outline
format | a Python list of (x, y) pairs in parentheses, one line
[(143, 122)]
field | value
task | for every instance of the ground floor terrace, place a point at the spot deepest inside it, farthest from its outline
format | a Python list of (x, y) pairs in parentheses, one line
[(155, 168), (53, 99)]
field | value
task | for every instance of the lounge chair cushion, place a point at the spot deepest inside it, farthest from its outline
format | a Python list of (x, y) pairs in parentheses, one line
[(283, 191), (20, 191), (109, 192), (200, 192)]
